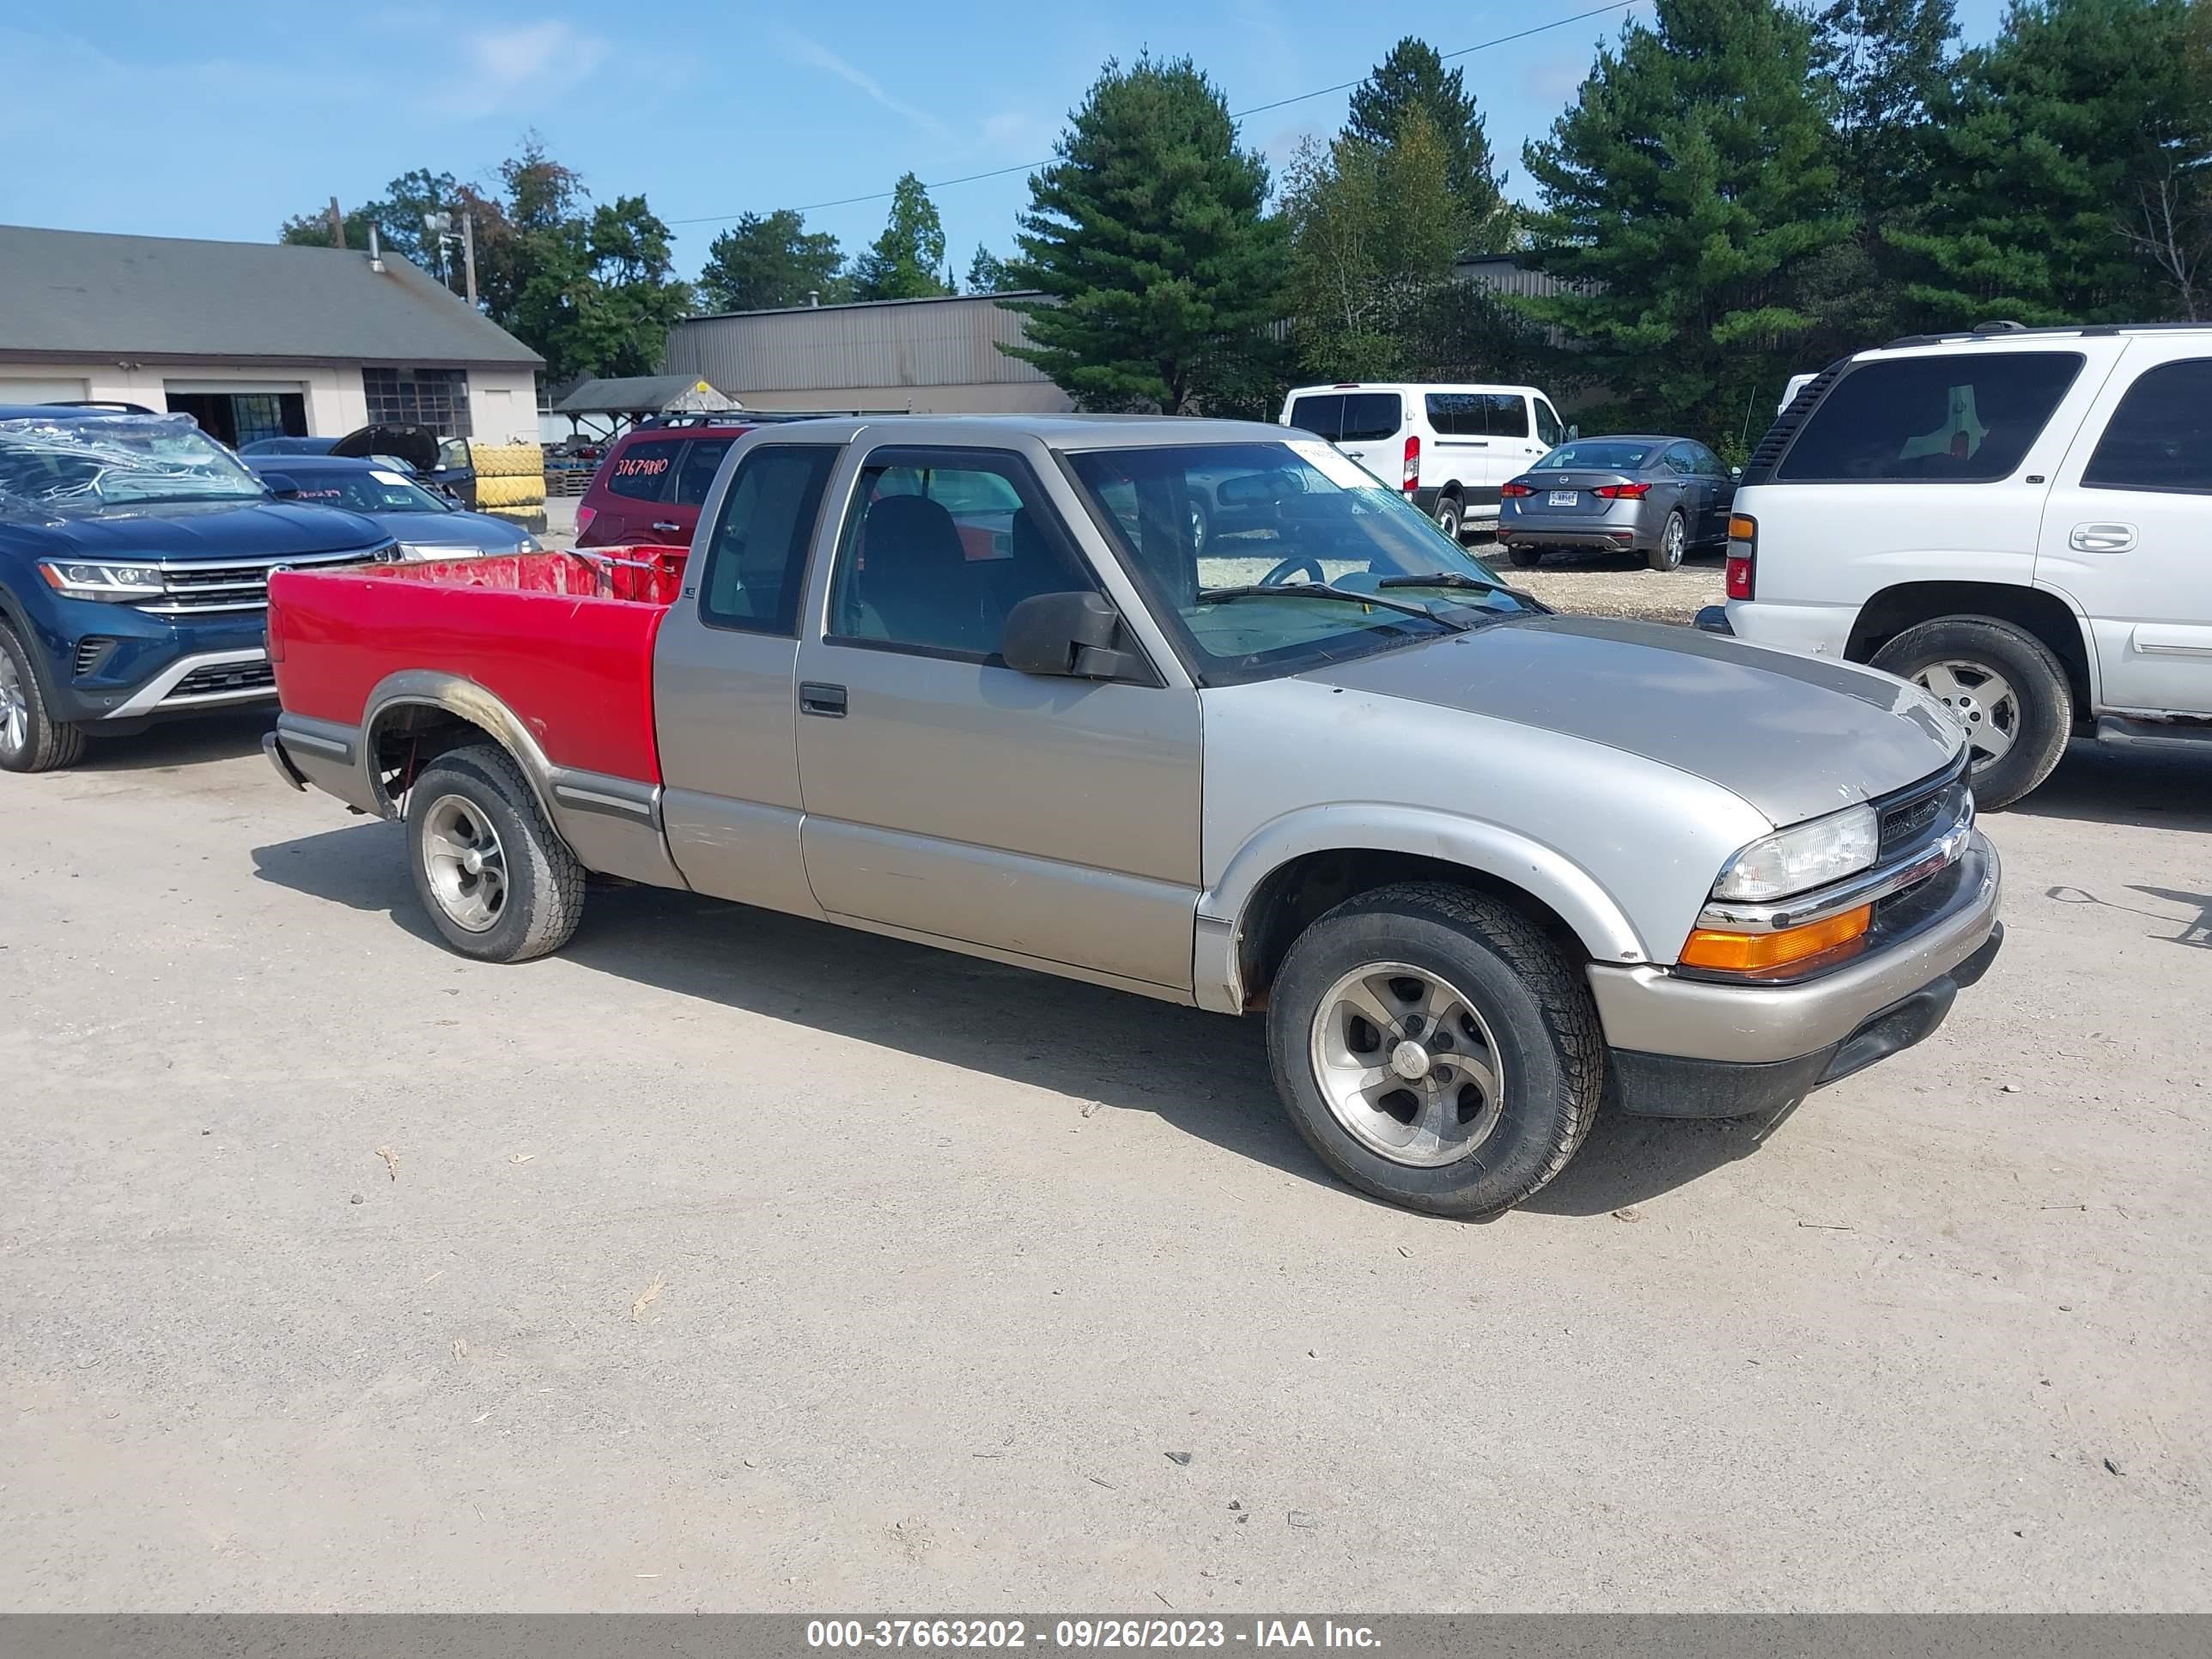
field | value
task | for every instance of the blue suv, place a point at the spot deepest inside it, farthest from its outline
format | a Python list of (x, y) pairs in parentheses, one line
[(135, 554)]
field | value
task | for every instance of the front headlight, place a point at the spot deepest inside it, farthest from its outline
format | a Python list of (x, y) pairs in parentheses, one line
[(1802, 857), (100, 580)]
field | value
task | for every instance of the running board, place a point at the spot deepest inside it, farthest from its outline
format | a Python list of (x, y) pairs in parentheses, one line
[(2121, 732)]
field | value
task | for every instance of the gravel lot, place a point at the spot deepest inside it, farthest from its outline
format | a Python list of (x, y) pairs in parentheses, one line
[(1618, 584), (730, 1261)]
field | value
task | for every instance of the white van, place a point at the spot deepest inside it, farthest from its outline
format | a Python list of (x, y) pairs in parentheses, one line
[(1451, 446)]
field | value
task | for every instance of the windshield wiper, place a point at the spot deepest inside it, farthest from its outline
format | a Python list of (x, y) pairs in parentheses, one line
[(1443, 579), (1324, 591)]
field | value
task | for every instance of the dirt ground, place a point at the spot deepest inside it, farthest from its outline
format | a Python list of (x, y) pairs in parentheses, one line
[(1617, 585), (730, 1262)]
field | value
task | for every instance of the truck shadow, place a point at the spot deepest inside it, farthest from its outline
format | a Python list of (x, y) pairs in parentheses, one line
[(2098, 785), (1205, 1075), (181, 743)]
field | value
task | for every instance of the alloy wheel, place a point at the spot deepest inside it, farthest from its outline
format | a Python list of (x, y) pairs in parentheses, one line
[(1407, 1065), (1984, 701), (15, 708), (466, 863)]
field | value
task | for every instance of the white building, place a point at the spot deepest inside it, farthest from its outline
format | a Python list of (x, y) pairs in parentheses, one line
[(254, 339)]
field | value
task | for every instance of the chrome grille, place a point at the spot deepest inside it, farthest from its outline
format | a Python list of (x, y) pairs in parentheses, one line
[(1926, 808), (219, 678), (201, 589)]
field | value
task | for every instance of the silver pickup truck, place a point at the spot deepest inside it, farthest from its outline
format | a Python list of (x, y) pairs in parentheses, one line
[(1202, 711)]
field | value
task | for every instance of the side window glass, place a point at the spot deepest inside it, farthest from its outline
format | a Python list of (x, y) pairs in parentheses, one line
[(2161, 436), (940, 546), (1549, 430), (756, 558), (641, 472), (1708, 463), (702, 459), (1959, 417), (1457, 414), (1509, 415), (1322, 417)]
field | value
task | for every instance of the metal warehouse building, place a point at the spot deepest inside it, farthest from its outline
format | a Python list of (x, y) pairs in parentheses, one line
[(254, 339), (922, 356)]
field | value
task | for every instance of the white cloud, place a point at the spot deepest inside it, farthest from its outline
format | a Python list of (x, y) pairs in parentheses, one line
[(814, 54), (530, 61)]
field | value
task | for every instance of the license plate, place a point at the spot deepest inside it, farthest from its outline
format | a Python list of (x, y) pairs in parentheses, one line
[(1565, 498)]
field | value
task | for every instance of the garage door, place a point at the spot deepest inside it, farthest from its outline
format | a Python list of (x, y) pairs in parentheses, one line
[(15, 391)]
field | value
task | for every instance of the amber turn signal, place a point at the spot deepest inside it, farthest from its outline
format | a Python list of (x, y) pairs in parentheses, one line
[(1756, 953), (1742, 527)]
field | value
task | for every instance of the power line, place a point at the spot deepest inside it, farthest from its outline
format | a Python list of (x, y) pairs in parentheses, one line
[(1235, 115)]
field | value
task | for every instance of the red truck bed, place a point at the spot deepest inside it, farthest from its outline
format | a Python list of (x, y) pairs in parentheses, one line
[(565, 639)]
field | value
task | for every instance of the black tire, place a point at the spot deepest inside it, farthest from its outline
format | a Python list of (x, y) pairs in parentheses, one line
[(1536, 1004), (543, 894), (1524, 558), (1673, 538), (1451, 517), (2043, 714), (39, 743)]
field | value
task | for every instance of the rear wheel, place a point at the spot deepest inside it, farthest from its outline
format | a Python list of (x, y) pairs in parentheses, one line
[(499, 884), (2005, 687), (31, 739), (1673, 538), (1450, 516), (1524, 558), (1435, 1049)]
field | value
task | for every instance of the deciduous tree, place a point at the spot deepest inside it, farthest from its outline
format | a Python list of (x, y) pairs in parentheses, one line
[(907, 262)]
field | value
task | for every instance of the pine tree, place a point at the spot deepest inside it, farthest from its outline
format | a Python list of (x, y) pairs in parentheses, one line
[(1412, 77), (764, 261), (1148, 236), (1885, 63), (1682, 193), (907, 262), (986, 272), (2056, 130)]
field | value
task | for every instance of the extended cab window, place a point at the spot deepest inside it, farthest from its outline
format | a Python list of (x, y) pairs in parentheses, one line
[(940, 545), (756, 558), (1963, 418), (702, 459), (2161, 436), (640, 471)]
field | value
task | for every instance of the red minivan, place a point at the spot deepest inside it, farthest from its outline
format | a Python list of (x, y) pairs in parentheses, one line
[(654, 480)]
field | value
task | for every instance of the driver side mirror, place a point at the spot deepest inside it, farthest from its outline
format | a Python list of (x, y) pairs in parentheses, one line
[(281, 485), (1736, 472), (1070, 636)]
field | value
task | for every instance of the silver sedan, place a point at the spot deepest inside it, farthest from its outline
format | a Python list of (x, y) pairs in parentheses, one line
[(1636, 493)]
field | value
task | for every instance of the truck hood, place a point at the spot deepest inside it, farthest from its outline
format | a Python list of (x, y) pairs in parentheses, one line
[(198, 530), (1794, 736)]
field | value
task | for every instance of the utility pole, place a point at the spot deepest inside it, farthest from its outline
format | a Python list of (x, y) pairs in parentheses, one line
[(469, 253), (337, 224)]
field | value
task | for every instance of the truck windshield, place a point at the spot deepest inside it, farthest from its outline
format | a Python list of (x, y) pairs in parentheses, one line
[(1214, 532), (109, 460)]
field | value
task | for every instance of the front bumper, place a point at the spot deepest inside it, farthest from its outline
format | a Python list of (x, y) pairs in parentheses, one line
[(1695, 1048)]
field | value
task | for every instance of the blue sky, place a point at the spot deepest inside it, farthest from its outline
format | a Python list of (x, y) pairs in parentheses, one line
[(193, 121)]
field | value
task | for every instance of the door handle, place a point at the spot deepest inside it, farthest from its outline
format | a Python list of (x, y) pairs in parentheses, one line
[(2102, 538), (666, 527), (827, 701)]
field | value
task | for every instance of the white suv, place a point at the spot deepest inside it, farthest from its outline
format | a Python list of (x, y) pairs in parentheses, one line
[(2019, 519), (1452, 447)]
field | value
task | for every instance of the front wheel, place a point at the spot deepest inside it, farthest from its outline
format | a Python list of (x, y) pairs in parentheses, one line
[(2004, 686), (499, 884), (1435, 1049), (31, 739)]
